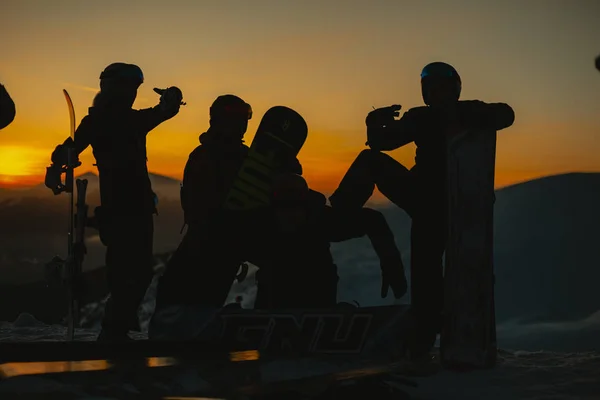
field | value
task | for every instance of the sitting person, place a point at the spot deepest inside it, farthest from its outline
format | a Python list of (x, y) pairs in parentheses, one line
[(296, 264), (420, 191)]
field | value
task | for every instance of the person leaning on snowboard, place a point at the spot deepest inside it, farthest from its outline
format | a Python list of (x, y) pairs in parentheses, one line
[(117, 134), (421, 191)]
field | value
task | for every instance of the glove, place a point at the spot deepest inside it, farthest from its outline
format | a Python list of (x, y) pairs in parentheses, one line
[(377, 119), (392, 276), (59, 156), (383, 116), (171, 99)]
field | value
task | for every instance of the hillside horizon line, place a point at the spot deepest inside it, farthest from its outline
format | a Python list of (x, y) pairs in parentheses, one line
[(91, 173)]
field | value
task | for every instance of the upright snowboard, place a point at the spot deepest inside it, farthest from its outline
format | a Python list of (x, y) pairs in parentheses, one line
[(280, 134), (468, 338)]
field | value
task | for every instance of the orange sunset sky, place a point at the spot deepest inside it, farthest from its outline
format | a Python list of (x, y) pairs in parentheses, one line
[(330, 60)]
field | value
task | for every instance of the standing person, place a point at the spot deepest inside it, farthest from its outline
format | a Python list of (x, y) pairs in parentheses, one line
[(7, 108), (117, 134), (200, 273), (421, 192)]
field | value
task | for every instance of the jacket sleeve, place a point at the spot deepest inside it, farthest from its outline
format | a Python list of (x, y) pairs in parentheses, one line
[(83, 138), (479, 115), (389, 136), (83, 134), (150, 118)]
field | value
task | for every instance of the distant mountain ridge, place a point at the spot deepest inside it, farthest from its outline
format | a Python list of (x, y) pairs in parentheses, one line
[(164, 186), (546, 237)]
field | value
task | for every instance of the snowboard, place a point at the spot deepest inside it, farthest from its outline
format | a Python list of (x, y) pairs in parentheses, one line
[(468, 336), (251, 352), (280, 135)]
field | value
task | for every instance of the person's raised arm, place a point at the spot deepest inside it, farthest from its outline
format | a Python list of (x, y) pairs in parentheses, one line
[(171, 99), (480, 115)]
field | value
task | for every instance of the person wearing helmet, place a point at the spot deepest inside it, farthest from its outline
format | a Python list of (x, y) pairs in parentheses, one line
[(7, 108), (117, 135), (421, 191), (296, 267), (209, 172), (203, 267)]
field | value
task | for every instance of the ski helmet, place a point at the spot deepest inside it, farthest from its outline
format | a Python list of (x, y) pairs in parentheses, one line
[(289, 190), (230, 106), (436, 72), (122, 74)]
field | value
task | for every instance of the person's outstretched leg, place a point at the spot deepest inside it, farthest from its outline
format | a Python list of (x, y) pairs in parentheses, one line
[(373, 169)]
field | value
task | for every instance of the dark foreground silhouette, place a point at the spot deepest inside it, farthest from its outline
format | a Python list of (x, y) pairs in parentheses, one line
[(117, 134), (288, 237), (421, 191), (7, 108), (202, 269), (533, 282)]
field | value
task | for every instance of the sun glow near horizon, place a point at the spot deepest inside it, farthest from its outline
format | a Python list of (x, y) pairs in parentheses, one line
[(343, 61)]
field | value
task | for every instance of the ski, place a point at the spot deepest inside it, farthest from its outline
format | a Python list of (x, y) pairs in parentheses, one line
[(71, 164), (79, 252), (75, 248)]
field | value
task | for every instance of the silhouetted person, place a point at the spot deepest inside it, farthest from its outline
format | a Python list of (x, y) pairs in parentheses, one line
[(421, 192), (598, 63), (7, 108), (202, 269), (296, 267), (117, 134)]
